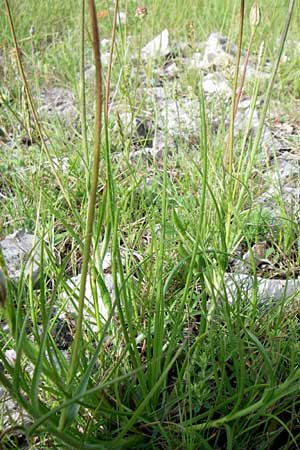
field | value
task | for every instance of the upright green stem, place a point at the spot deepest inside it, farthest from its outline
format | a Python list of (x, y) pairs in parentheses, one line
[(111, 51), (92, 200), (159, 320), (240, 90), (107, 89), (228, 154), (254, 18), (229, 150), (266, 103), (82, 95), (32, 108)]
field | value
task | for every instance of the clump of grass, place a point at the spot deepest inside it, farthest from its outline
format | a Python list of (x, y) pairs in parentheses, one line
[(175, 365)]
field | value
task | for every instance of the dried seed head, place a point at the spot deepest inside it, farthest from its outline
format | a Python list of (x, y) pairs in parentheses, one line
[(254, 15), (190, 28), (141, 12)]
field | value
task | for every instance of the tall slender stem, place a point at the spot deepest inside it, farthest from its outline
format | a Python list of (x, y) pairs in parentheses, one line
[(112, 45), (29, 98), (228, 155), (82, 94), (92, 200)]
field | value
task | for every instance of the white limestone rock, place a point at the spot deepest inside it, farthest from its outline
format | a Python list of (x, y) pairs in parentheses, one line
[(216, 83), (20, 251), (157, 48), (104, 297), (57, 102), (218, 52), (268, 290)]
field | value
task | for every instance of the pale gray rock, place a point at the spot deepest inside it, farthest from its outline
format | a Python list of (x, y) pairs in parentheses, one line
[(269, 142), (157, 48), (268, 290), (161, 74), (154, 155), (277, 199), (219, 42), (243, 116), (216, 83), (252, 74), (57, 102), (20, 251), (70, 297), (170, 70), (89, 74), (196, 61), (61, 164), (149, 156), (89, 309), (105, 43), (138, 129), (10, 356), (285, 171), (11, 413), (90, 70), (160, 141), (105, 58), (218, 52), (143, 156), (158, 93), (181, 49), (257, 256), (181, 118), (282, 195)]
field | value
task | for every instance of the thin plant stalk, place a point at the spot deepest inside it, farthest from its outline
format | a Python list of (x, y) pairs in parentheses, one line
[(228, 155), (111, 52), (32, 108), (108, 197), (158, 340), (254, 22), (195, 250), (241, 163), (82, 95), (266, 102), (124, 311), (240, 90), (92, 201)]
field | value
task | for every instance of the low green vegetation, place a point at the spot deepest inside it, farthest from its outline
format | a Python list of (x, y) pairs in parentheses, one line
[(172, 361)]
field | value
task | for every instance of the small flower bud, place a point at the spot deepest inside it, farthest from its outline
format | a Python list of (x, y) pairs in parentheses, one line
[(254, 15), (141, 12)]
